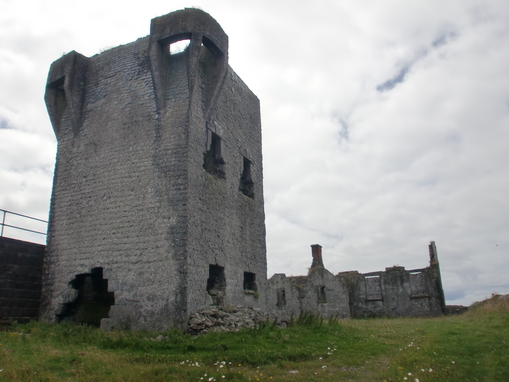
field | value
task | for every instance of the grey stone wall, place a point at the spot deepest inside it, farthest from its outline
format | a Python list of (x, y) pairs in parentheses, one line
[(132, 198), (319, 292), (20, 280), (397, 292)]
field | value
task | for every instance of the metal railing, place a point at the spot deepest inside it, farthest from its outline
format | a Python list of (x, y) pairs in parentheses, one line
[(17, 227)]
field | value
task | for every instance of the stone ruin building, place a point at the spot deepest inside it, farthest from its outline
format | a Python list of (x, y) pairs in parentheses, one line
[(157, 205), (157, 208), (395, 292)]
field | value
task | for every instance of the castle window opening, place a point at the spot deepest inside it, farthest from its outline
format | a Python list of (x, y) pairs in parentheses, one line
[(246, 181), (93, 300), (213, 161), (281, 297), (418, 285), (250, 281), (321, 297), (373, 288), (216, 284)]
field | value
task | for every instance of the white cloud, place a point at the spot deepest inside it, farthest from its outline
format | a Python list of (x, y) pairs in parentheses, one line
[(370, 175)]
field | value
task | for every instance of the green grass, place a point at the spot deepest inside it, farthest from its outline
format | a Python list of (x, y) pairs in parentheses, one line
[(470, 347)]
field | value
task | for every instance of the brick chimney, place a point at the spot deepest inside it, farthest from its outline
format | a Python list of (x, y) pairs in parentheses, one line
[(316, 251)]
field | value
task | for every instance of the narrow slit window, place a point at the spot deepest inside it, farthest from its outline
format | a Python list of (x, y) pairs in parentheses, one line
[(321, 296), (281, 297), (213, 161), (246, 181)]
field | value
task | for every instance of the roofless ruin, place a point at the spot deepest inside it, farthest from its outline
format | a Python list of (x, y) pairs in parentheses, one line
[(157, 207)]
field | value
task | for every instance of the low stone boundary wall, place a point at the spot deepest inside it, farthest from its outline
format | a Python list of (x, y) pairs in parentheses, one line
[(20, 280), (451, 310)]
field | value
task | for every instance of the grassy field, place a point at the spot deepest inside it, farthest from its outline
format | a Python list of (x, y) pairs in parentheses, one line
[(470, 347)]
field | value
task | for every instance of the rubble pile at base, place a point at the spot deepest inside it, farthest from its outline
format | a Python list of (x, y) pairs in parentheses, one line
[(225, 319)]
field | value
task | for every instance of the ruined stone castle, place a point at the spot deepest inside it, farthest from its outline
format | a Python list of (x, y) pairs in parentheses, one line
[(157, 208)]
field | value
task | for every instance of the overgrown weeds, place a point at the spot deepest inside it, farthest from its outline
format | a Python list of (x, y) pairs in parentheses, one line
[(467, 347), (495, 304)]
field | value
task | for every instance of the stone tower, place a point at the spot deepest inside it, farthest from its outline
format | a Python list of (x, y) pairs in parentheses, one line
[(157, 205)]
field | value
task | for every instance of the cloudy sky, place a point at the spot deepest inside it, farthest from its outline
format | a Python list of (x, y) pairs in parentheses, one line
[(385, 123)]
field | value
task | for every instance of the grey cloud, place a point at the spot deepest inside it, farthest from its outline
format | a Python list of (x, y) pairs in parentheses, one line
[(397, 79), (443, 39), (344, 128), (421, 53), (4, 124)]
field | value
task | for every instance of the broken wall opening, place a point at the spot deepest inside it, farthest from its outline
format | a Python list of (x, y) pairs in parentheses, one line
[(93, 300), (216, 284)]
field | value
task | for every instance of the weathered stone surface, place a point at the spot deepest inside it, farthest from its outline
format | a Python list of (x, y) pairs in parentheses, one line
[(397, 292), (451, 310), (133, 194), (157, 209), (20, 280), (227, 319)]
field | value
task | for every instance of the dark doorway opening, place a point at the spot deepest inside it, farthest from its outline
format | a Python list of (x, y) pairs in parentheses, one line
[(216, 284)]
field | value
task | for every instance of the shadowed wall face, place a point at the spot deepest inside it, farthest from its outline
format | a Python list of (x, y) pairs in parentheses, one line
[(20, 280)]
